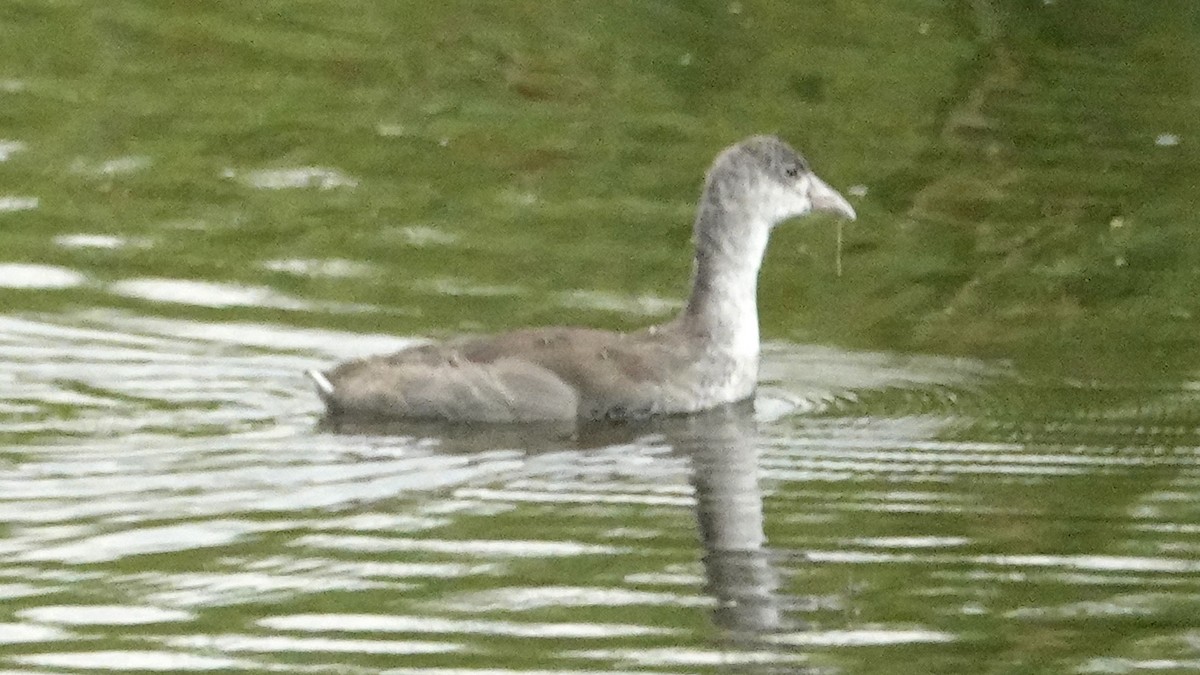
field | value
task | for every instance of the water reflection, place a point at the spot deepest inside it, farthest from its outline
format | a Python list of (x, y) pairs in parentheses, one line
[(45, 277), (722, 447), (721, 451), (173, 475)]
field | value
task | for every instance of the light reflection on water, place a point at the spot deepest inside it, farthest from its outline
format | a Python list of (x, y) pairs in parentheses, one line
[(172, 475)]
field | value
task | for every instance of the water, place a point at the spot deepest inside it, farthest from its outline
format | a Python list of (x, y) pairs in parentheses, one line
[(974, 451), (172, 505)]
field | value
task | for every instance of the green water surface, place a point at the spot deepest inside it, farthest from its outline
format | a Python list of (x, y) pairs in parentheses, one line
[(975, 449)]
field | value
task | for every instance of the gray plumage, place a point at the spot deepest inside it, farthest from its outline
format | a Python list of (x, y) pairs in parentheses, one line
[(705, 357)]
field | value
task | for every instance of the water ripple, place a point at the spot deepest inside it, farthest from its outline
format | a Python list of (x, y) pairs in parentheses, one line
[(171, 475)]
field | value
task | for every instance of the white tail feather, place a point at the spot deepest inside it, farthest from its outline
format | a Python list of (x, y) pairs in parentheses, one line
[(324, 386)]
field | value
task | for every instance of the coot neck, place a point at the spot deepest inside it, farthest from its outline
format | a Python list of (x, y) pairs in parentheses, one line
[(730, 239)]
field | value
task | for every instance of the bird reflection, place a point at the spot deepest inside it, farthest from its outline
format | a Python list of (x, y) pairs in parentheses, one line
[(723, 449)]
